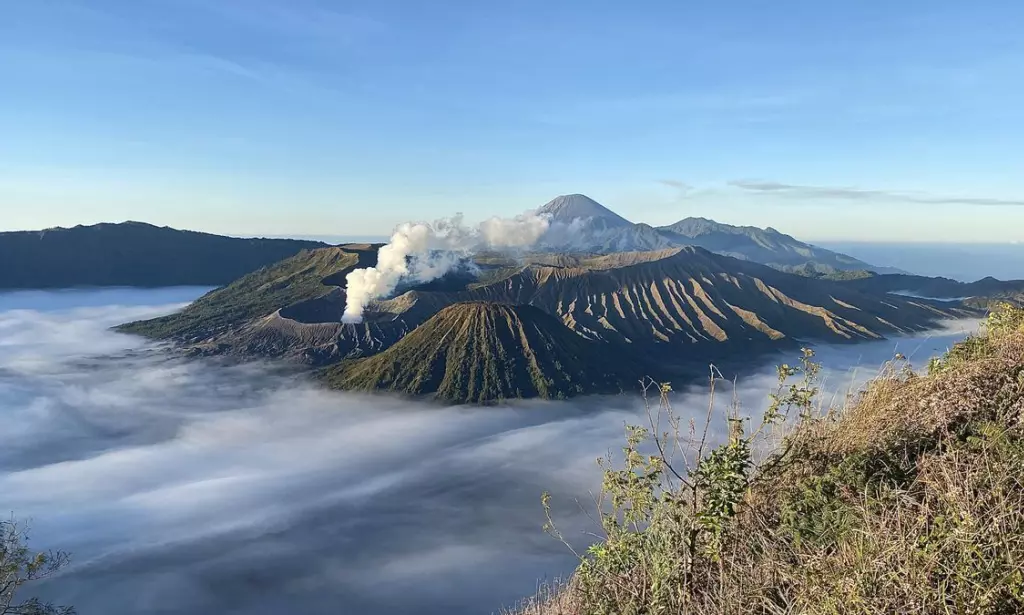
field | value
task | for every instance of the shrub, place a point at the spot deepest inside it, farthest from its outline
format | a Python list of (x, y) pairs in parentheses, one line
[(19, 566), (910, 499)]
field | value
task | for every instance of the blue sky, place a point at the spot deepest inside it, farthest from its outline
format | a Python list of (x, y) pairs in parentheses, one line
[(828, 120)]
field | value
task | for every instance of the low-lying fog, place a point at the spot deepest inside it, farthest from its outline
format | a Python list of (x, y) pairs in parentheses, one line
[(191, 486)]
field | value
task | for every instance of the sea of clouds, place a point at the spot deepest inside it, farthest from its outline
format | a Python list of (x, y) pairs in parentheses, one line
[(199, 486)]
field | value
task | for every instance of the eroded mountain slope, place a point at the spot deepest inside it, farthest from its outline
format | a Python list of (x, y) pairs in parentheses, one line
[(682, 298), (485, 352), (689, 295)]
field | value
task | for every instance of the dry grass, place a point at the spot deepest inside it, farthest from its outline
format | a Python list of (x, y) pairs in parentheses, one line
[(902, 407), (910, 500), (553, 599)]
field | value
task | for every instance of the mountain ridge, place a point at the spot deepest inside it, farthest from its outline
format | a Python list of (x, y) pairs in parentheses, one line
[(592, 227), (981, 293), (766, 246), (309, 275), (134, 254)]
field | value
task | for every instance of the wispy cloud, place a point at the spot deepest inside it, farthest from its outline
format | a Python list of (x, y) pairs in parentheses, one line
[(674, 183), (735, 105), (799, 191), (303, 22), (269, 42), (681, 191)]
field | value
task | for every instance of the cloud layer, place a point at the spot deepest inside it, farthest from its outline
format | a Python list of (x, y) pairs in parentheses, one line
[(798, 191), (201, 487)]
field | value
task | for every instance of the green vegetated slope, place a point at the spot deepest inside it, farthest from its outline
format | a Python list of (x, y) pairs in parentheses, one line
[(837, 276), (308, 275), (909, 499), (133, 254), (486, 352)]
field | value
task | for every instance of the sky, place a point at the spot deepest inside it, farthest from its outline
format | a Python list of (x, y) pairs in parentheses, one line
[(875, 120)]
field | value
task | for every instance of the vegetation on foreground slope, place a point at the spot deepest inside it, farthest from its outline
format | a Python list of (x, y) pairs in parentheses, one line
[(908, 500)]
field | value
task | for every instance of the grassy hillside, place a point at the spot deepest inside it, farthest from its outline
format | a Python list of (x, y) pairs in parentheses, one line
[(309, 275), (910, 499), (486, 352), (134, 254), (845, 275)]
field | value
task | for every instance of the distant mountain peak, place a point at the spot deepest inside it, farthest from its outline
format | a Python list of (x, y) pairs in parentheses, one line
[(127, 224), (763, 245), (696, 226), (569, 207)]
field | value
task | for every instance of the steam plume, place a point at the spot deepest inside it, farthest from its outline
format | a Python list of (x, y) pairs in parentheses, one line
[(422, 252)]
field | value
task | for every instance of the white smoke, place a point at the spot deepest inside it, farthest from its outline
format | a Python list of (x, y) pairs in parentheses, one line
[(522, 231), (392, 265), (421, 252)]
